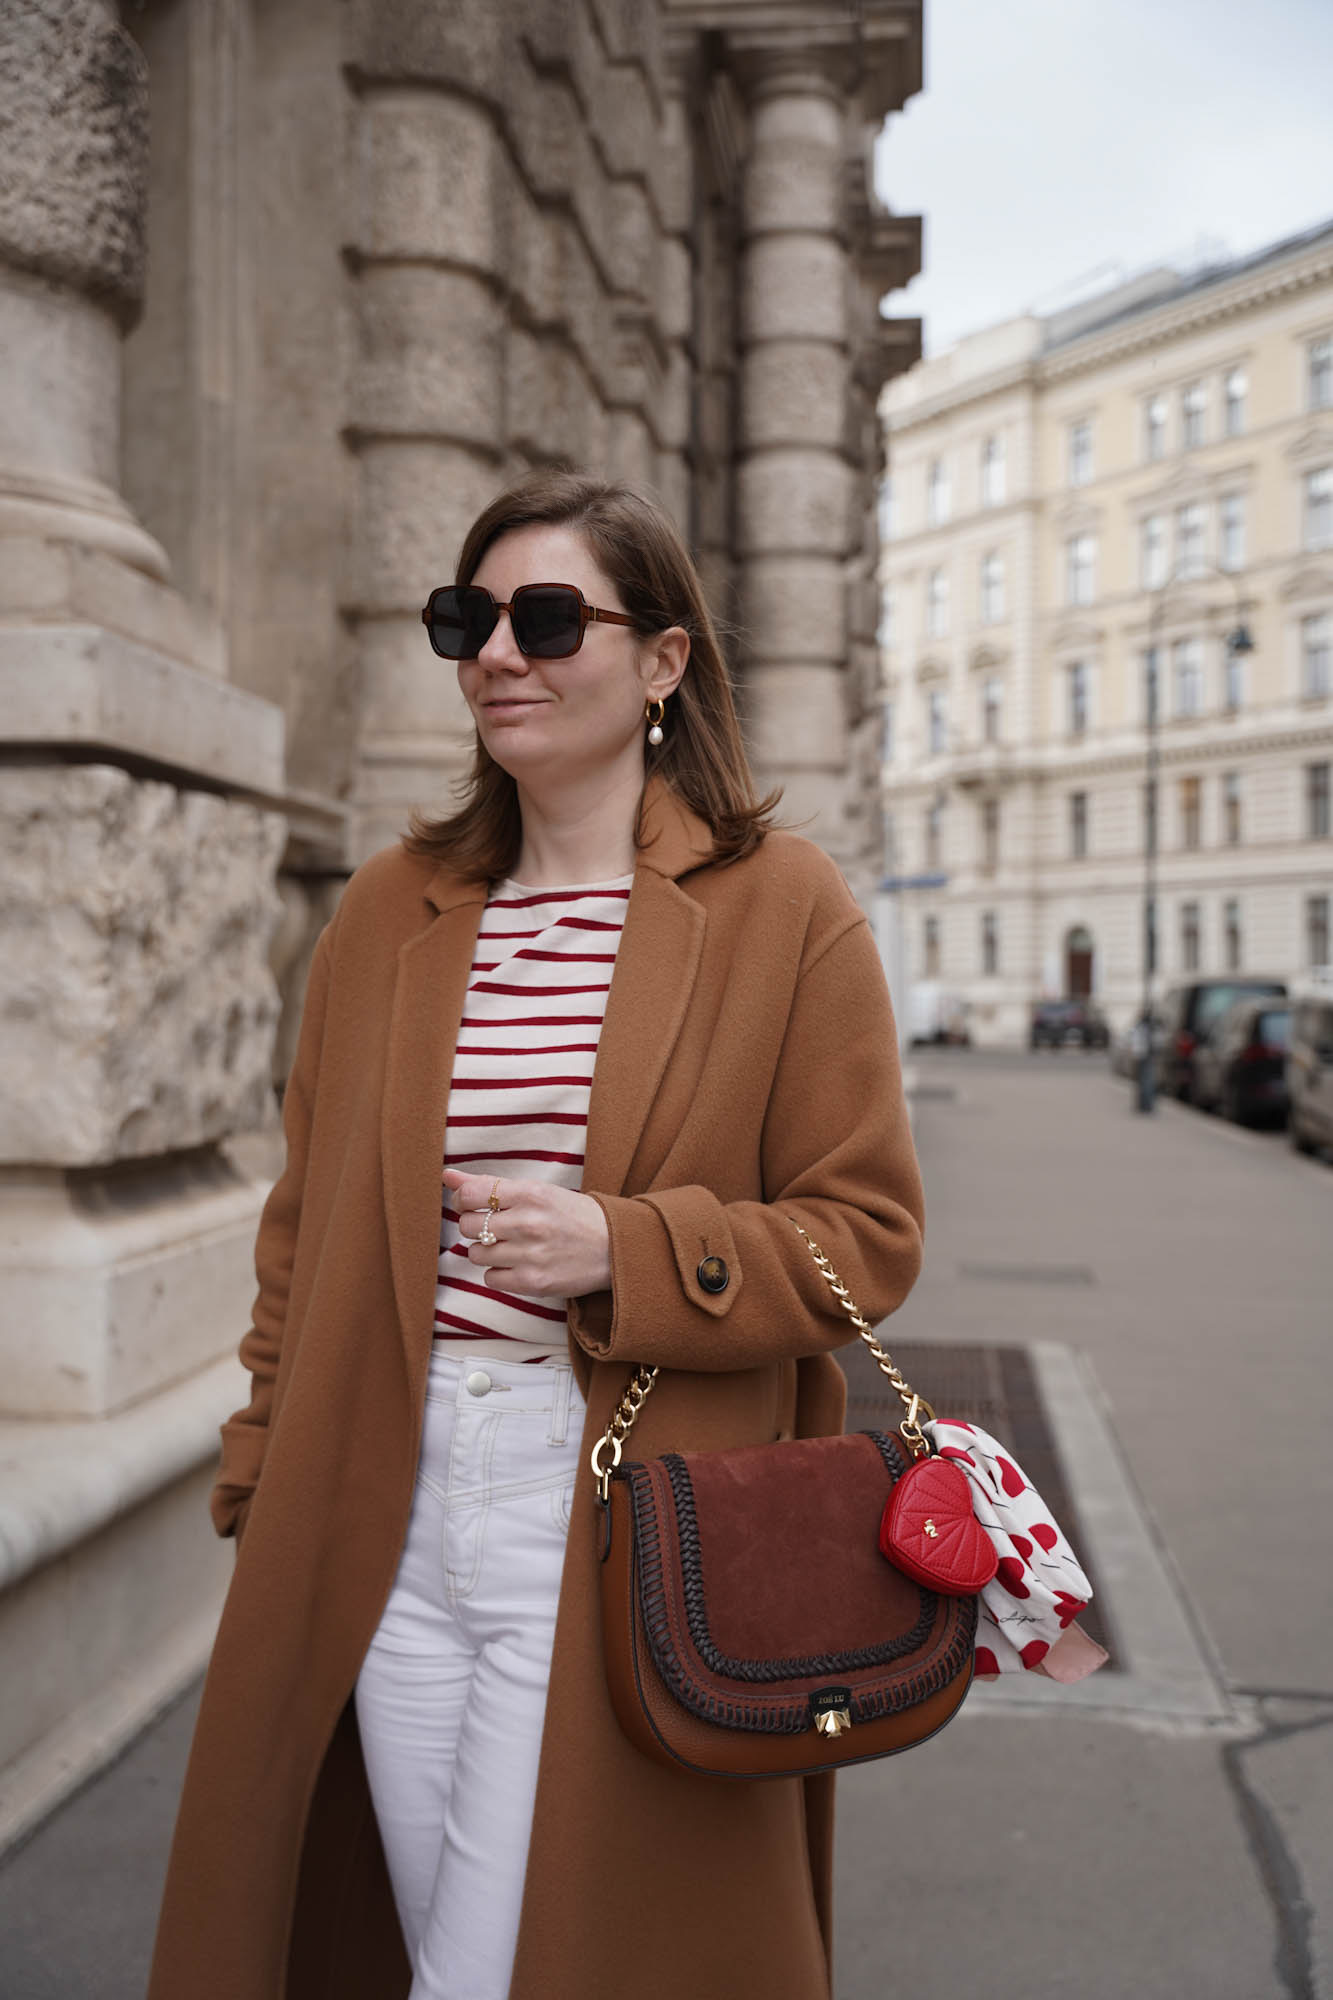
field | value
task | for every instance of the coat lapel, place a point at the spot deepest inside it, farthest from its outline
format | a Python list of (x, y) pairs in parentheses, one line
[(656, 967), (428, 999)]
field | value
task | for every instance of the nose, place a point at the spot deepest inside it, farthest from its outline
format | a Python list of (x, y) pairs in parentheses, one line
[(501, 652)]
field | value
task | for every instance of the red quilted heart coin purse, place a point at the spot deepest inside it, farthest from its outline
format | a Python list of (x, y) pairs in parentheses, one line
[(928, 1530)]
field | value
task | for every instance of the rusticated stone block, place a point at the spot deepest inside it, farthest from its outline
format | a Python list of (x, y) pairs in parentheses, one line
[(793, 177), (796, 716), (466, 43), (794, 288), (434, 180), (74, 112), (794, 608), (135, 993), (793, 392), (415, 502), (796, 502), (431, 355)]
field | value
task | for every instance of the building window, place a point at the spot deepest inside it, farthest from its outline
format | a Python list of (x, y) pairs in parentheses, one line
[(1235, 388), (1319, 376), (990, 944), (1193, 411), (1189, 937), (886, 511), (1154, 427), (1150, 816), (1233, 679), (1231, 808), (1187, 664), (1316, 931), (937, 604), (1077, 684), (1151, 691), (1078, 825), (936, 724), (1231, 934), (934, 835), (885, 618), (1316, 654), (1231, 531), (930, 943), (1191, 812), (1152, 551), (990, 835), (992, 709), (1189, 538), (1319, 508), (992, 588), (938, 499), (1316, 801), (992, 471), (887, 737), (1080, 562), (1080, 454)]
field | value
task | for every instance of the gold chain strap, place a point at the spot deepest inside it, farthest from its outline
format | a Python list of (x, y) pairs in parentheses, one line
[(642, 1380)]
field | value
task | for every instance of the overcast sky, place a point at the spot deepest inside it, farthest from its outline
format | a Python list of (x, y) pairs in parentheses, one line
[(1056, 138)]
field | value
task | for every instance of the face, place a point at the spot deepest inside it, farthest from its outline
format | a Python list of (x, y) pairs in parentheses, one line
[(567, 717)]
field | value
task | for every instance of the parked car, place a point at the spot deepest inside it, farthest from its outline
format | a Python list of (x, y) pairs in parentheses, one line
[(1240, 1068), (1191, 1012), (1059, 1023), (1310, 1071), (937, 1015)]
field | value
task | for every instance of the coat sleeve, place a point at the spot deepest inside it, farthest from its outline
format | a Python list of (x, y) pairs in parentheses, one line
[(837, 1157), (245, 1434)]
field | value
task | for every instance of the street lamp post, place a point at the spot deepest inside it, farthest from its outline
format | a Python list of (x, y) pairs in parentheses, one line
[(1238, 641)]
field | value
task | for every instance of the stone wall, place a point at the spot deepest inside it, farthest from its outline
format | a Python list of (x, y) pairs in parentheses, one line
[(287, 291)]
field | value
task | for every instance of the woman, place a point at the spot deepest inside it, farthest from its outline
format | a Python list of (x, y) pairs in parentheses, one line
[(406, 1774)]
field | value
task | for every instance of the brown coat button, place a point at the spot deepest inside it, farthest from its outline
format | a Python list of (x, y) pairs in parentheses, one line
[(713, 1274)]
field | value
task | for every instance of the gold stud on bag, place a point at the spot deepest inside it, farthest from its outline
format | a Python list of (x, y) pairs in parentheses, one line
[(752, 1626)]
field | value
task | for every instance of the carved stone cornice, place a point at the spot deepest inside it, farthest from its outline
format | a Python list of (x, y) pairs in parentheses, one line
[(1157, 325), (867, 49)]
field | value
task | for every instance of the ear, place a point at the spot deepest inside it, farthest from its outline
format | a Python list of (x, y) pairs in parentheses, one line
[(666, 657)]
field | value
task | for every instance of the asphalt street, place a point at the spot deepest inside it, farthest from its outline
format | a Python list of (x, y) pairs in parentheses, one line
[(1165, 1829)]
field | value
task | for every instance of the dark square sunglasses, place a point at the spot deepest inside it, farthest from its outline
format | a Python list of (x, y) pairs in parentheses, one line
[(548, 619)]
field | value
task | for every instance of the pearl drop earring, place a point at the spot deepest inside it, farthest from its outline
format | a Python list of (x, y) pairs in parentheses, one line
[(655, 733)]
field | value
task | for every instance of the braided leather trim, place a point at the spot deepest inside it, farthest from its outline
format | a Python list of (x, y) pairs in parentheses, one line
[(788, 1713)]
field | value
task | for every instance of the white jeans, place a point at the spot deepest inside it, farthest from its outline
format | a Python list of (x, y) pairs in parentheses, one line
[(451, 1696)]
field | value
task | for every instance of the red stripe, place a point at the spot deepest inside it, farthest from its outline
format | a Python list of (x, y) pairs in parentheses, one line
[(561, 1159), (532, 992), (582, 924), (514, 1049), (470, 1326), (566, 957), (535, 1021), (518, 1118), (505, 1298), (517, 1083), (518, 934), (558, 896)]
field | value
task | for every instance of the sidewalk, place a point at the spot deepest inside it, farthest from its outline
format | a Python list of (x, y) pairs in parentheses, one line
[(1161, 1832)]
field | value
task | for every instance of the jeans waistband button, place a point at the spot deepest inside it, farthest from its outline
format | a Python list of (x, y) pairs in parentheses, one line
[(478, 1382)]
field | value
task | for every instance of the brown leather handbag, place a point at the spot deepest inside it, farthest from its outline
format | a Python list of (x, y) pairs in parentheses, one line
[(752, 1627)]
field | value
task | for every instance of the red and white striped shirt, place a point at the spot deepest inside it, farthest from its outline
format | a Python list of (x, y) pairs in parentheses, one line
[(518, 1103)]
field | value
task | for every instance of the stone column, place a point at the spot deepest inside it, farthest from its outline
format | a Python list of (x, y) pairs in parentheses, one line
[(796, 480), (138, 896)]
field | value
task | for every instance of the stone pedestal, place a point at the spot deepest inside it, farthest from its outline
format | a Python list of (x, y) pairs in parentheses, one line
[(141, 840)]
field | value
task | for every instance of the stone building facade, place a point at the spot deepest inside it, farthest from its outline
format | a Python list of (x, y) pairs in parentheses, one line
[(286, 291), (1076, 500)]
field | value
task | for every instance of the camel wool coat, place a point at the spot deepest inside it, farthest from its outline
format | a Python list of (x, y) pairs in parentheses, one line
[(747, 1072)]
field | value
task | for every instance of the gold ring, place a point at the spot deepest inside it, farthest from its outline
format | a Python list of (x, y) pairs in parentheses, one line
[(493, 1199)]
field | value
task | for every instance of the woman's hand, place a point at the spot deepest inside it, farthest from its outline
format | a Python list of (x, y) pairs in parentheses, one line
[(549, 1241)]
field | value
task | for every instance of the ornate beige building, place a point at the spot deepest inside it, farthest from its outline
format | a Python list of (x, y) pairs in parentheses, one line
[(1073, 497), (287, 290)]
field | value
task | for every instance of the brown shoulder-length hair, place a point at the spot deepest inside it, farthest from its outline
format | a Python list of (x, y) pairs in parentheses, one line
[(701, 757)]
